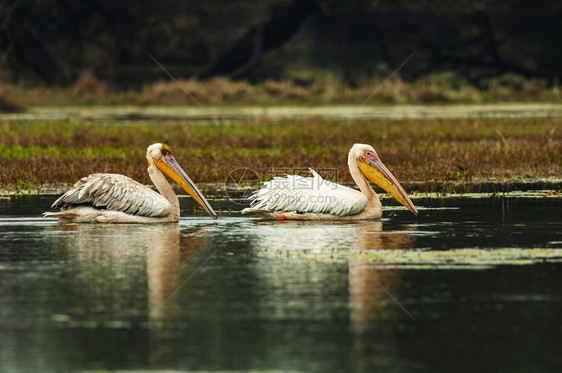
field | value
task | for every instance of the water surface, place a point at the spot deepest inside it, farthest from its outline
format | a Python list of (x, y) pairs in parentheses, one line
[(470, 285)]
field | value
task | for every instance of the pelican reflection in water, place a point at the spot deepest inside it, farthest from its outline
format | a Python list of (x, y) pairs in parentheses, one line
[(314, 251), (118, 273), (118, 266)]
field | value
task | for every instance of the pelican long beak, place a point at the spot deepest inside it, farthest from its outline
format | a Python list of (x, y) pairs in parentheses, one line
[(377, 172), (168, 165)]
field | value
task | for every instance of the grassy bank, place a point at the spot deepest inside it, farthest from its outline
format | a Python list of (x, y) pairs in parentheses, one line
[(425, 150), (303, 88)]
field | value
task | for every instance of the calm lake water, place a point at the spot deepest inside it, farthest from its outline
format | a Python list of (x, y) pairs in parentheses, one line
[(471, 285)]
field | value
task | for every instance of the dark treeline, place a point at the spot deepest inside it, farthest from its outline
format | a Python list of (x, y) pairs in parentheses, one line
[(52, 41)]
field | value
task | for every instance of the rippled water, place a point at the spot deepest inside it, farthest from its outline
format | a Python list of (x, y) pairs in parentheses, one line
[(470, 285)]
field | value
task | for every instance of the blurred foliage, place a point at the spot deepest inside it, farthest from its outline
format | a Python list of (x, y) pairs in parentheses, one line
[(54, 41)]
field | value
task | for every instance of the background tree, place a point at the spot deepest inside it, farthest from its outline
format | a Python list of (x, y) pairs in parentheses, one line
[(52, 41)]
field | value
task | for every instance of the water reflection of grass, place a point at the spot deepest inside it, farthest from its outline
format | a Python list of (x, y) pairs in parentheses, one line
[(424, 150)]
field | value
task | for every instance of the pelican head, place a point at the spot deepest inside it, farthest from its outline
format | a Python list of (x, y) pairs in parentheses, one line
[(161, 156), (373, 169)]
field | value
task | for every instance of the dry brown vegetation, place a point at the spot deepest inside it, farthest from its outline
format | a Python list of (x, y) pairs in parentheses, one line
[(438, 88), (7, 105), (424, 150)]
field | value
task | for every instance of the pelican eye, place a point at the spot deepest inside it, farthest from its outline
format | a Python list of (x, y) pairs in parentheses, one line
[(166, 150)]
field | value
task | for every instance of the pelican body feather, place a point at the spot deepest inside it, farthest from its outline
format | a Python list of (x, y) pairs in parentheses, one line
[(308, 195), (114, 198), (296, 197), (115, 192)]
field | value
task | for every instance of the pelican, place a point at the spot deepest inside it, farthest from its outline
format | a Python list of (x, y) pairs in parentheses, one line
[(114, 198), (312, 198)]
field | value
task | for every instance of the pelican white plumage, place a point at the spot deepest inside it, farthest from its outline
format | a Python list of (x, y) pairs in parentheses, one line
[(114, 198), (313, 198)]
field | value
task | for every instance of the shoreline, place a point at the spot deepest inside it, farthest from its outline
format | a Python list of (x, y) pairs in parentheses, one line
[(279, 112), (544, 187)]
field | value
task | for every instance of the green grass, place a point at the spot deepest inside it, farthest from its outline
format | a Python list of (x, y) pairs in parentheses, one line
[(423, 150)]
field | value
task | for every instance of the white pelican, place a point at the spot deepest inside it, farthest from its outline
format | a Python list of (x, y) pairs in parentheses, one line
[(313, 198), (113, 198)]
